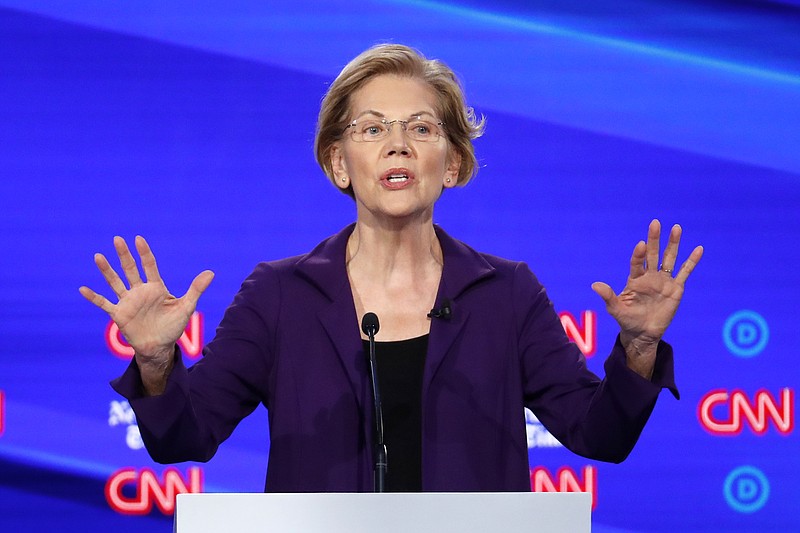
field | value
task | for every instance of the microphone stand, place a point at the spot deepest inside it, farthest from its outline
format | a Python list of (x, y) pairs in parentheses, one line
[(369, 325)]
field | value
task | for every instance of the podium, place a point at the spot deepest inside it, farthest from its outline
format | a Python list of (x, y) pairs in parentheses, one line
[(462, 512)]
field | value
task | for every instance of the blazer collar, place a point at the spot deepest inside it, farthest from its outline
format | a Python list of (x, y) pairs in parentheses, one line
[(324, 266), (463, 266)]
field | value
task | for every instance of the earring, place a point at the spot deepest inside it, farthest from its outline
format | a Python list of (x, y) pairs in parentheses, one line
[(344, 179), (448, 180)]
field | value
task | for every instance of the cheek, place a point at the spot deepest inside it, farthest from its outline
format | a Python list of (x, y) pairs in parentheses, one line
[(444, 161), (357, 162)]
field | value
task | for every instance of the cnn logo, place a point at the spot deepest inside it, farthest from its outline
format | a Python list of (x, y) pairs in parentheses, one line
[(726, 413), (191, 341), (145, 489)]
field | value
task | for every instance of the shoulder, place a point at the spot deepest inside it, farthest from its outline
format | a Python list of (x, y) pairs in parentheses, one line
[(276, 268), (516, 277), (501, 294), (269, 273), (470, 266), (513, 296), (322, 268)]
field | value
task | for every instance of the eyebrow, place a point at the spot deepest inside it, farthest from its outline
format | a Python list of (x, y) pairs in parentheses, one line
[(381, 115)]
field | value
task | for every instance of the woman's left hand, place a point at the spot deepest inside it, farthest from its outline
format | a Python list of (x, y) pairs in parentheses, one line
[(648, 302)]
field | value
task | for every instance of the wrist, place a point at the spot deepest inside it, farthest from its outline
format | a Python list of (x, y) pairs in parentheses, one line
[(155, 370), (640, 354)]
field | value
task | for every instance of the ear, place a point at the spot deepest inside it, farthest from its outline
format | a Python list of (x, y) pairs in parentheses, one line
[(340, 176), (450, 179)]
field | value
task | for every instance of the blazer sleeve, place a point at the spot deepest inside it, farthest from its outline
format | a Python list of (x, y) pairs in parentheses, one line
[(203, 404), (597, 418)]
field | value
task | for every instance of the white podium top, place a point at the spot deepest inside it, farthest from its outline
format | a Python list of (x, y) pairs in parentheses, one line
[(463, 512)]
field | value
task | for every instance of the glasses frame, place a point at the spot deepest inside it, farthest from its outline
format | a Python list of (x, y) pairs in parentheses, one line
[(389, 123)]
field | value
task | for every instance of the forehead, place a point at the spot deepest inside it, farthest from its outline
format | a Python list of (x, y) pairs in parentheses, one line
[(394, 96)]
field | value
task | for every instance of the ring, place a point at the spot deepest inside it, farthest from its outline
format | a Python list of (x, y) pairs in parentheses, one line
[(667, 270)]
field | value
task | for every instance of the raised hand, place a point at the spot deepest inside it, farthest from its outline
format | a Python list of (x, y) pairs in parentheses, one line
[(150, 318), (647, 304)]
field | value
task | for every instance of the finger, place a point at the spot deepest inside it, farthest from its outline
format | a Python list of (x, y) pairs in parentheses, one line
[(148, 259), (688, 266), (653, 247), (671, 251), (198, 287), (96, 299), (637, 259), (127, 262), (112, 278)]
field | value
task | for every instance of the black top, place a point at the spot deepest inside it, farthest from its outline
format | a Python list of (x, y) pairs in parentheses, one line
[(400, 367)]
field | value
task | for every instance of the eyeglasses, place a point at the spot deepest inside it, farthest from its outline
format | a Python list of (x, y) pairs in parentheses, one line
[(375, 129)]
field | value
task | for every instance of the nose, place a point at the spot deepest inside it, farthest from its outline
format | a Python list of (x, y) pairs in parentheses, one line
[(397, 141)]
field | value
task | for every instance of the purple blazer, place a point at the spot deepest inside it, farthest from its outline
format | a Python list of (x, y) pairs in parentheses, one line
[(291, 341)]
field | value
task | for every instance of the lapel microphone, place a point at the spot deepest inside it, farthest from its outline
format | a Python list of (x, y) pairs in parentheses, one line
[(443, 311)]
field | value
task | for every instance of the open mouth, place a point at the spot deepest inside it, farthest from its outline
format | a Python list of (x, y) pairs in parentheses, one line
[(397, 175), (397, 178)]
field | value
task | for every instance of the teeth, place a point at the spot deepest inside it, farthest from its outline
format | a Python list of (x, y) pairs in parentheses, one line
[(397, 177)]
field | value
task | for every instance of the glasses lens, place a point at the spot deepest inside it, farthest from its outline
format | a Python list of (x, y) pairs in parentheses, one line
[(422, 130), (369, 130)]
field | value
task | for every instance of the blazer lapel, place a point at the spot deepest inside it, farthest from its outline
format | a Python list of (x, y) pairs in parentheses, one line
[(325, 268), (340, 323), (463, 267)]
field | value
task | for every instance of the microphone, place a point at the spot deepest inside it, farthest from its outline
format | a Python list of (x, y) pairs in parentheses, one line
[(370, 326), (443, 311)]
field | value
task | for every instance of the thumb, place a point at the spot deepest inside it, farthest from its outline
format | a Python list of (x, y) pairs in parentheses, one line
[(198, 287), (604, 291)]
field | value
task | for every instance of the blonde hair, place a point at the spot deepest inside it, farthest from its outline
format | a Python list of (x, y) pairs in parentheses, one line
[(460, 124)]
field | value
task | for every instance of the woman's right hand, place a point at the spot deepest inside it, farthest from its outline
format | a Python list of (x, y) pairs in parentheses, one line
[(150, 318)]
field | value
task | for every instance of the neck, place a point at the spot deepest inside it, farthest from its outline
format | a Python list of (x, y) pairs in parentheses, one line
[(389, 249), (395, 272)]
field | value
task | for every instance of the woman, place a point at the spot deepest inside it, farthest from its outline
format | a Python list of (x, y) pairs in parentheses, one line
[(393, 133)]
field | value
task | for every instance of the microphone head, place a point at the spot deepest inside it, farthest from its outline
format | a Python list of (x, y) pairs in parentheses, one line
[(369, 324)]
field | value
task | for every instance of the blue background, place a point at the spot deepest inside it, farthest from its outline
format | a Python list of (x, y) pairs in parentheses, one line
[(192, 123)]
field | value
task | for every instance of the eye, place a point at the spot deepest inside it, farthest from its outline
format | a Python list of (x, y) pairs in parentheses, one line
[(371, 128), (420, 128)]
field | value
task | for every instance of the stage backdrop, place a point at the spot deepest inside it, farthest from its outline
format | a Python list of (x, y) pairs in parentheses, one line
[(192, 123)]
